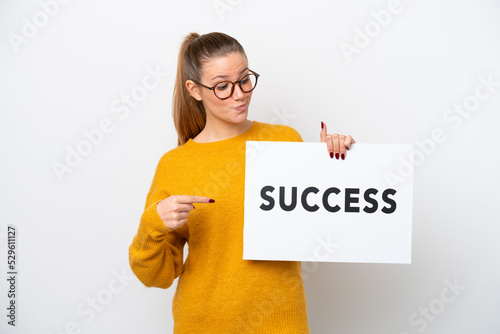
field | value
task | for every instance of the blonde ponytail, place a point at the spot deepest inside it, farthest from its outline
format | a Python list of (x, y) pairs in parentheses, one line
[(189, 114)]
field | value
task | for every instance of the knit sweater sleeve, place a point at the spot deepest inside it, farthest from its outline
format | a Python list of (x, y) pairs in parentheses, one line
[(156, 252)]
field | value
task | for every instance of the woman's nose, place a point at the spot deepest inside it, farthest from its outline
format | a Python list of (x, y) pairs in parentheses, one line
[(238, 93)]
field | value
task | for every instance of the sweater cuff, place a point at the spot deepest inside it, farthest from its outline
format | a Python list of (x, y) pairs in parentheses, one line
[(152, 223)]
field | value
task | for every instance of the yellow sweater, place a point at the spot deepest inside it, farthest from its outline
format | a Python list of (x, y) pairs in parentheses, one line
[(217, 292)]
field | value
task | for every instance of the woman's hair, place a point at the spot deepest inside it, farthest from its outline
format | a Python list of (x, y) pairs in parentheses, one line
[(189, 114)]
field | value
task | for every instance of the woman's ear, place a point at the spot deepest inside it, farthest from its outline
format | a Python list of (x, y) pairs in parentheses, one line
[(193, 90)]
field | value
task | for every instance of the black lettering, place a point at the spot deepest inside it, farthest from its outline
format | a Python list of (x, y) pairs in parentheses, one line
[(325, 199), (282, 199), (306, 192), (349, 199), (371, 200), (389, 201), (266, 197)]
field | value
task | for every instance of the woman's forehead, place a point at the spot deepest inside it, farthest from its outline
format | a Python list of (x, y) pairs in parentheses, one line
[(225, 67)]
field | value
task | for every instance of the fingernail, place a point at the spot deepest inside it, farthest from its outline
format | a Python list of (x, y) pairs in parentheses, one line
[(322, 125), (331, 155), (342, 156), (337, 156), (211, 201)]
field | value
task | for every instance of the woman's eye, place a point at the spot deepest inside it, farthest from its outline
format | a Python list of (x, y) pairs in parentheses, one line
[(244, 80), (222, 86)]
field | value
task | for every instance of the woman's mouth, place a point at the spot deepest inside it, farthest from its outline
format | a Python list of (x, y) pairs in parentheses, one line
[(241, 107)]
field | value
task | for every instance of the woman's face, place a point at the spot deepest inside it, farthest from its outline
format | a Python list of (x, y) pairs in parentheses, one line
[(231, 67)]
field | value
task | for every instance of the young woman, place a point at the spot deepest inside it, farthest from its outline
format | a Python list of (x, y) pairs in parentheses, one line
[(197, 197)]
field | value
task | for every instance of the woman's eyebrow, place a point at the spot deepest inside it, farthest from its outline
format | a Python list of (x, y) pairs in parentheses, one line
[(221, 76)]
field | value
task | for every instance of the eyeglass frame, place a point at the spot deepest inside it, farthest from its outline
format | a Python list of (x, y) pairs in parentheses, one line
[(233, 83)]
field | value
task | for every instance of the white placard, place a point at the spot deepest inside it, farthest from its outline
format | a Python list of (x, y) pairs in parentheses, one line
[(353, 210)]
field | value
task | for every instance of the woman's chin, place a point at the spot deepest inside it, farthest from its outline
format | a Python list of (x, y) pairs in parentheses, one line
[(241, 117)]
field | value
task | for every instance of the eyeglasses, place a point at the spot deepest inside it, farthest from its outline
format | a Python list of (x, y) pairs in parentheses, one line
[(224, 89)]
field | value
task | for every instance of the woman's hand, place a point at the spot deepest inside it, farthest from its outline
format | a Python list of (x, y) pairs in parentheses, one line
[(174, 210), (336, 143)]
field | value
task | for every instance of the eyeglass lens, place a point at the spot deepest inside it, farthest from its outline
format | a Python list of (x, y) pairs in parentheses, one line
[(247, 83)]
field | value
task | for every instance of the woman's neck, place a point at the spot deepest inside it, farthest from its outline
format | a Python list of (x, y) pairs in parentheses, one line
[(212, 132)]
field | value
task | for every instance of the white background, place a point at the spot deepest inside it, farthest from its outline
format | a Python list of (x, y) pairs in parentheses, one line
[(74, 235)]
